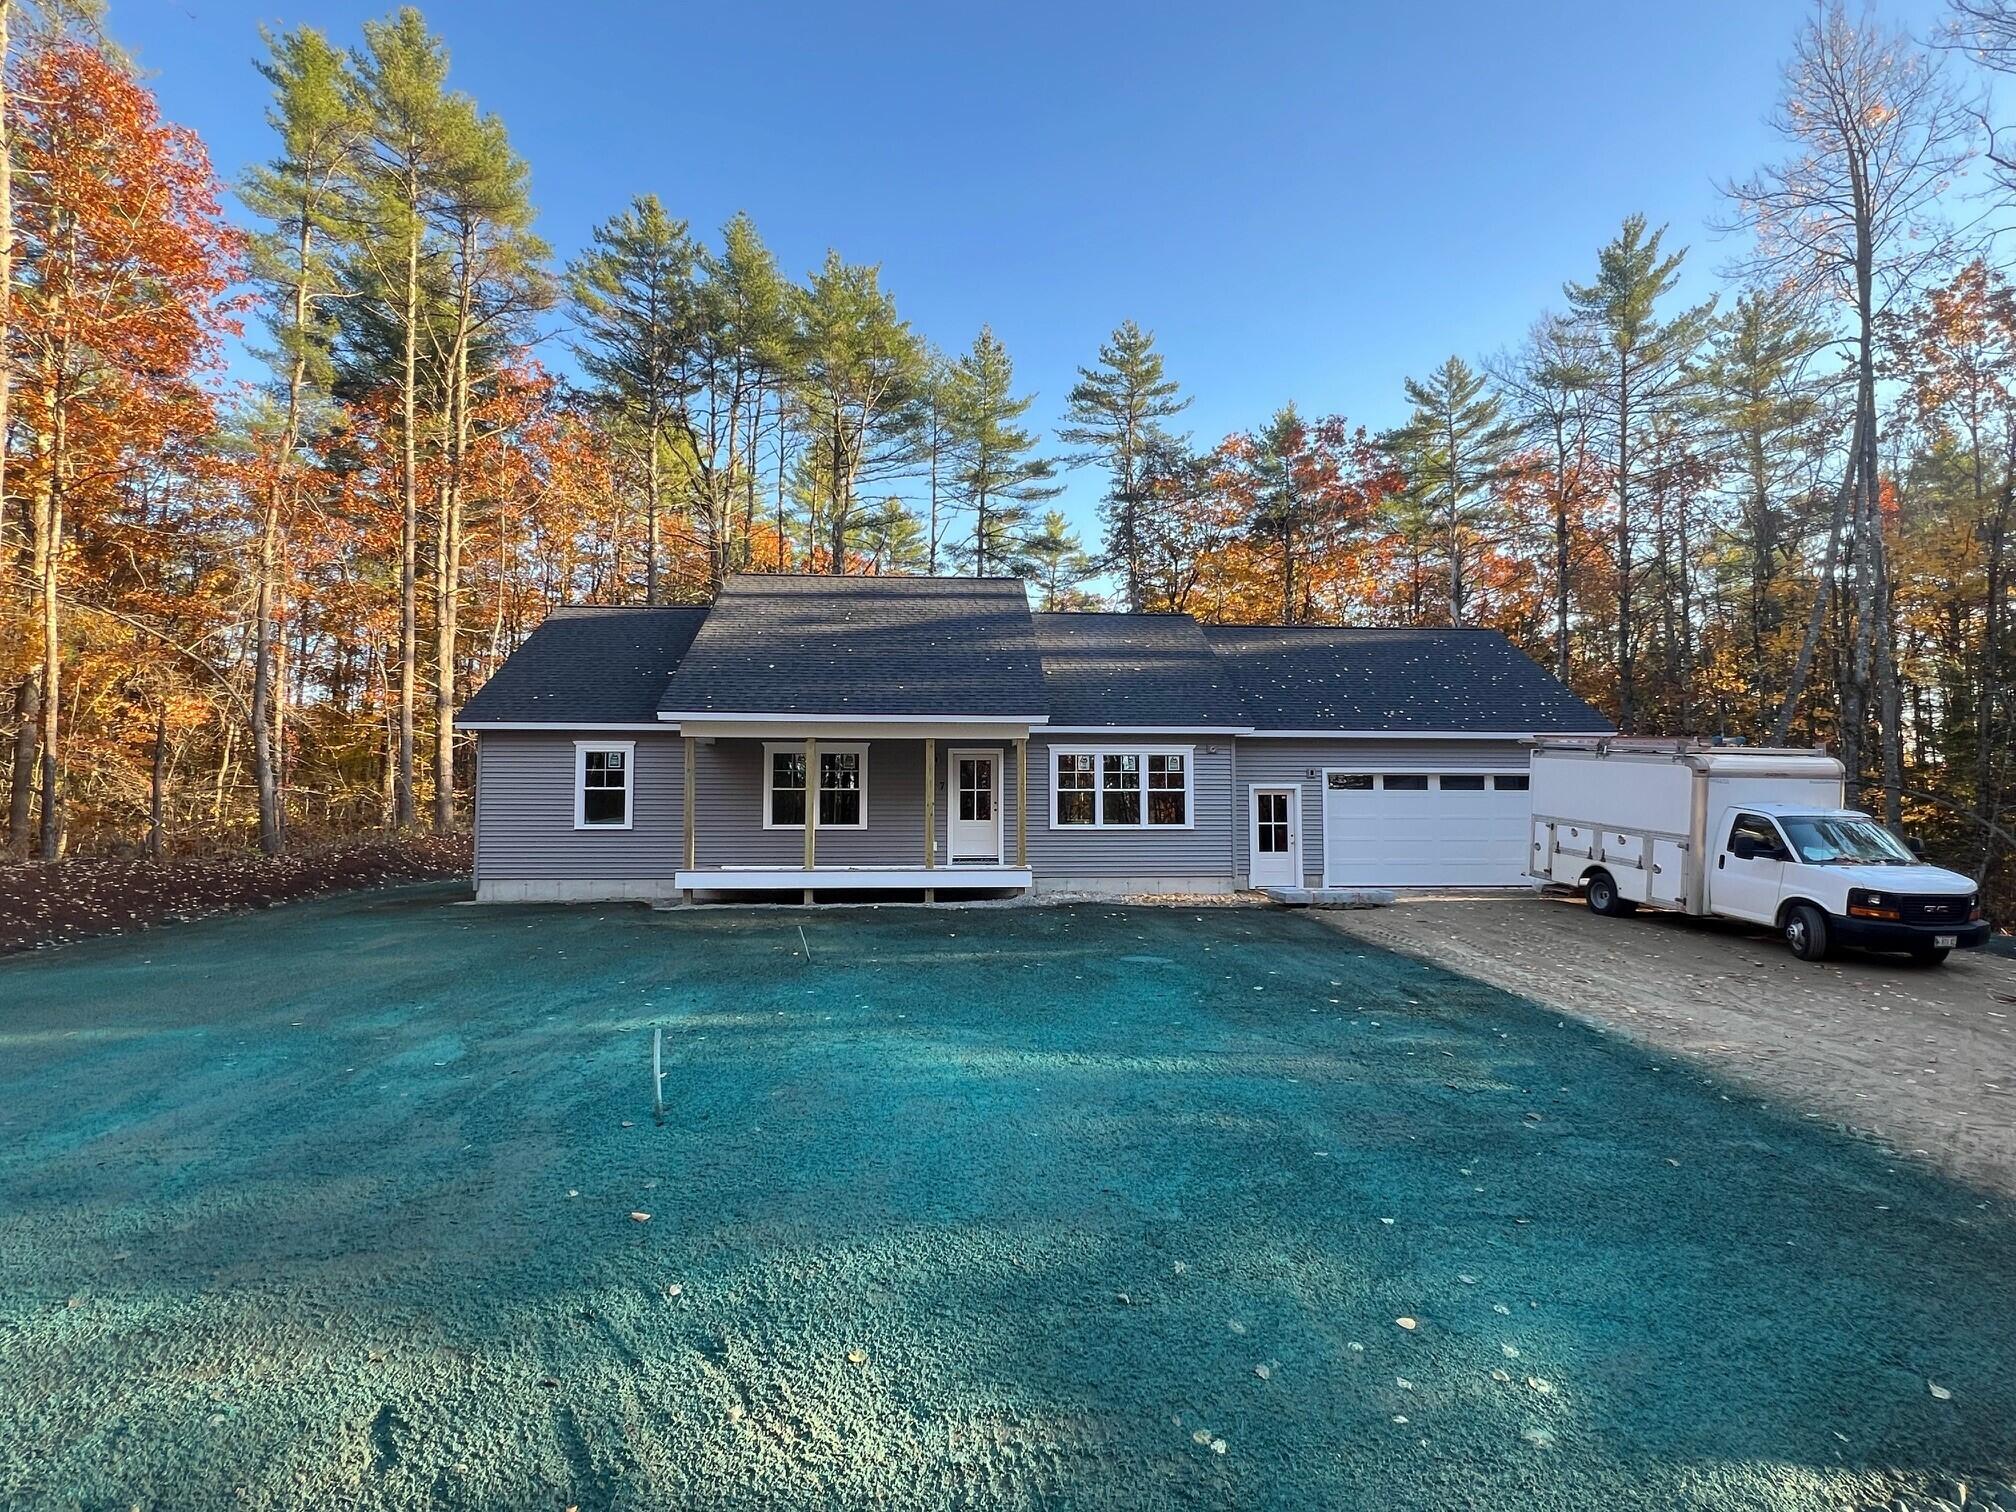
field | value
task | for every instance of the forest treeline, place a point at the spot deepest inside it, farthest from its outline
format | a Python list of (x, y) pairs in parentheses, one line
[(232, 613)]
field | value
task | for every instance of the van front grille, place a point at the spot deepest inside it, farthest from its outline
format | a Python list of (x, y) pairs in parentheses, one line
[(1933, 909)]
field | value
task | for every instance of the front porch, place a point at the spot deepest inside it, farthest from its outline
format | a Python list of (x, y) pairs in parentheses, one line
[(904, 808)]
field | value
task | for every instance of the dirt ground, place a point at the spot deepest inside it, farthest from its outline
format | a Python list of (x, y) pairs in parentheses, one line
[(77, 899), (1922, 1058)]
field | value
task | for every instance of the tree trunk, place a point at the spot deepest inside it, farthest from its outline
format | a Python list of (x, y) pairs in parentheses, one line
[(1816, 616), (157, 787), (448, 546), (1561, 538), (1627, 711), (403, 807), (21, 807)]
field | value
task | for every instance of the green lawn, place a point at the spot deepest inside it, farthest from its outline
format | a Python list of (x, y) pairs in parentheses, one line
[(1082, 1206)]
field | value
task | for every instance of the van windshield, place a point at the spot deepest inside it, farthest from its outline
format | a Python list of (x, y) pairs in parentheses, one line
[(1831, 840)]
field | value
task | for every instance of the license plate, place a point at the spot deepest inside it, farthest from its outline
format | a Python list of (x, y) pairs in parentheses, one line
[(1945, 942)]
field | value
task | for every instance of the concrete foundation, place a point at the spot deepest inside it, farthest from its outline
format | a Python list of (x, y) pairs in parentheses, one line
[(581, 890), (1118, 887)]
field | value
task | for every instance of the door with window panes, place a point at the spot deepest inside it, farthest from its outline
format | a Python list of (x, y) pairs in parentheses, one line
[(1276, 851), (973, 824)]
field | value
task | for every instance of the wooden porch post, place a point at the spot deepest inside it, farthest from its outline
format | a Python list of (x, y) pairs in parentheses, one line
[(811, 801), (688, 746), (1022, 802), (930, 802)]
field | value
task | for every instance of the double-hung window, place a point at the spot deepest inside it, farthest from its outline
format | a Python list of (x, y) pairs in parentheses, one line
[(603, 777), (1121, 787), (842, 792)]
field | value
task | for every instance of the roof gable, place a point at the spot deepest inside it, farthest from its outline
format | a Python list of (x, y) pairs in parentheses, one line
[(869, 647)]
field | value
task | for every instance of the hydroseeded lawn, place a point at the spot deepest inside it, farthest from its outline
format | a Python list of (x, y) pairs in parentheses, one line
[(1083, 1206)]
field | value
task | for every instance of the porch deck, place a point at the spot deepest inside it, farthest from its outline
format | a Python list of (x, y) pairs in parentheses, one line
[(824, 878)]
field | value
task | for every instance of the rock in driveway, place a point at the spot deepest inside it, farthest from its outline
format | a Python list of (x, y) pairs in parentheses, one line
[(1330, 897)]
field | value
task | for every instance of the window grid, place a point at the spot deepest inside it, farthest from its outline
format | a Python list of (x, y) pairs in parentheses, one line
[(1121, 788), (843, 787)]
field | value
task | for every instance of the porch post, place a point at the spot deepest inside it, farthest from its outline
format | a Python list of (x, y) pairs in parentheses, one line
[(1022, 802), (811, 801), (930, 802), (689, 745)]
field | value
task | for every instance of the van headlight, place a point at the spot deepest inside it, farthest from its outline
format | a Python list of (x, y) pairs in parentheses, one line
[(1865, 904)]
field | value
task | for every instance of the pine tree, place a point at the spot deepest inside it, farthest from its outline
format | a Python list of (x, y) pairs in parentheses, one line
[(892, 539), (1115, 410), (633, 297), (1058, 563), (403, 73), (1456, 447), (998, 476), (1644, 373), (497, 283), (859, 368), (300, 194), (743, 359), (1765, 400)]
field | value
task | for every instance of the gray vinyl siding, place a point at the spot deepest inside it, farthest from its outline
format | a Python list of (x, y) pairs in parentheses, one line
[(728, 799), (525, 806), (1264, 763), (1203, 851), (525, 810)]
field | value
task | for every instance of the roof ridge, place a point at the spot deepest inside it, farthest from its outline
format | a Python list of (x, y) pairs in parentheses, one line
[(873, 577), (1363, 629), (655, 608)]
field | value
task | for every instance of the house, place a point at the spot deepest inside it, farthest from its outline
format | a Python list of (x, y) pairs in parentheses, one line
[(811, 735)]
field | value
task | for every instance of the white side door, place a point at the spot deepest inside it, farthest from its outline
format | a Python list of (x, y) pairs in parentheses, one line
[(1748, 887), (973, 817), (1274, 838)]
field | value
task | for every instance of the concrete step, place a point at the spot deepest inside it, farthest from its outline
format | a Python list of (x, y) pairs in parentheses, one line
[(1330, 897)]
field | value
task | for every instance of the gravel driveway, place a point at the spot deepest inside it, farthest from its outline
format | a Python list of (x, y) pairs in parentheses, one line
[(1924, 1059)]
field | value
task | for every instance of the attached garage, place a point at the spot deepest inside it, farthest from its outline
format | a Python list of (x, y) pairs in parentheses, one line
[(1424, 829)]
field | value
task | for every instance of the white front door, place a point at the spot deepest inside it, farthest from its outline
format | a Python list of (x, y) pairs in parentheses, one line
[(1275, 856), (973, 817)]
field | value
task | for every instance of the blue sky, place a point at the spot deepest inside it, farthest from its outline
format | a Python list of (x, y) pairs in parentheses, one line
[(1303, 201)]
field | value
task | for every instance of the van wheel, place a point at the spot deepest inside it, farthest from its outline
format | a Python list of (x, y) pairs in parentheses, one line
[(1603, 898), (1926, 955), (1806, 932)]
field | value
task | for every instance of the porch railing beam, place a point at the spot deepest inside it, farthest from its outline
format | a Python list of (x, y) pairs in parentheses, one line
[(688, 748), (1022, 802), (930, 802), (811, 801)]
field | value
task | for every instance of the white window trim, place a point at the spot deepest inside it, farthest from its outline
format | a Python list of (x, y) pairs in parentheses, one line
[(581, 750), (825, 748), (1098, 753)]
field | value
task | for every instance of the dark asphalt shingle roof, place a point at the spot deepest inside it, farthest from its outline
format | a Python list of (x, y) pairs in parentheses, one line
[(1135, 670), (926, 647), (1324, 678), (588, 664), (863, 646)]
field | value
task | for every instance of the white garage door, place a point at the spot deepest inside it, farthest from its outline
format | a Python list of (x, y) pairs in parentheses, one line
[(1412, 829)]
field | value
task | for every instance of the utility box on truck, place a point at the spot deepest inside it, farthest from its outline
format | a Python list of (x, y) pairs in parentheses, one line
[(1739, 832)]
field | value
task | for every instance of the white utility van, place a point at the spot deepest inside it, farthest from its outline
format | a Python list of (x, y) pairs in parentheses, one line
[(1741, 833)]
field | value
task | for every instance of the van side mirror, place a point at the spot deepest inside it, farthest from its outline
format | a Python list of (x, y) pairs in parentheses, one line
[(1916, 845), (1743, 847)]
